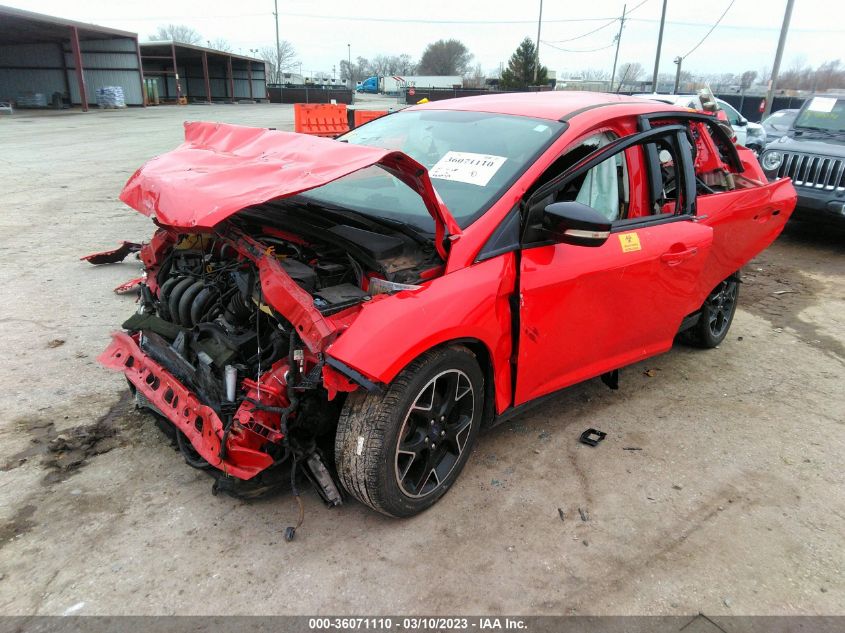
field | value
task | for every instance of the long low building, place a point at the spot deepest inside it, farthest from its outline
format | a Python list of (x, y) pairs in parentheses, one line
[(41, 55), (46, 60), (202, 74)]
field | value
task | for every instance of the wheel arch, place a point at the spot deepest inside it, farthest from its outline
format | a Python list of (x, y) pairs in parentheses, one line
[(470, 307), (485, 363)]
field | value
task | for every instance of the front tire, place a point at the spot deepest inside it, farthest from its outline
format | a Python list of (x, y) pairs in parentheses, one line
[(400, 451)]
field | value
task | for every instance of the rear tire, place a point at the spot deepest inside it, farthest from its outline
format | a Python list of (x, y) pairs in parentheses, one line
[(400, 451), (717, 314)]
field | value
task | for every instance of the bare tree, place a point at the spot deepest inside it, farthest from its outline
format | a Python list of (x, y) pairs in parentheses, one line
[(383, 65), (405, 64), (829, 75), (277, 61), (445, 57), (747, 79), (594, 74), (476, 78), (177, 33), (359, 70), (220, 44), (629, 72)]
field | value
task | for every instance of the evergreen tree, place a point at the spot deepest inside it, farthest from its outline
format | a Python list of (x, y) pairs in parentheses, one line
[(520, 71)]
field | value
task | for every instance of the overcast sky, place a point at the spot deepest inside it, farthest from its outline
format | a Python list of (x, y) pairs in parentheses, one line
[(745, 40)]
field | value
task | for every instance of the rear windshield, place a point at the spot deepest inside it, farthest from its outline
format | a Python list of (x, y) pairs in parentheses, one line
[(472, 157), (823, 113)]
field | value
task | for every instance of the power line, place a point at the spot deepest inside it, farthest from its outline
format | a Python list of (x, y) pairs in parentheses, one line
[(713, 28), (603, 26), (636, 7), (355, 18), (569, 50), (738, 27), (578, 37)]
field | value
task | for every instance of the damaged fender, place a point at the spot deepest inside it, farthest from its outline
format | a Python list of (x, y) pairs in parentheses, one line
[(387, 335)]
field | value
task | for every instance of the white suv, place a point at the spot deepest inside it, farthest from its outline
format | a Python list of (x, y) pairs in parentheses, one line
[(748, 134)]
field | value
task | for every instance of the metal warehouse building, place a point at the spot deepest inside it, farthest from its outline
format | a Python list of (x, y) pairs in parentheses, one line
[(42, 55), (202, 74)]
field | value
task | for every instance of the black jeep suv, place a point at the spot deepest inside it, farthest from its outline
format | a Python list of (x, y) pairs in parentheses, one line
[(812, 154)]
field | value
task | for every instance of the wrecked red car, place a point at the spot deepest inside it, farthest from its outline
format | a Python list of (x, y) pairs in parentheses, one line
[(359, 309)]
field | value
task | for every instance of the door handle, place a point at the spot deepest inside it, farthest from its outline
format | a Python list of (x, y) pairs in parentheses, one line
[(673, 258), (766, 215)]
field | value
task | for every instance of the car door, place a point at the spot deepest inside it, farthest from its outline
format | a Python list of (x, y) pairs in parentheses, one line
[(746, 218), (585, 310)]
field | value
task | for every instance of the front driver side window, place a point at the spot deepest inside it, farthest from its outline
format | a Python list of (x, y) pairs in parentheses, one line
[(604, 187)]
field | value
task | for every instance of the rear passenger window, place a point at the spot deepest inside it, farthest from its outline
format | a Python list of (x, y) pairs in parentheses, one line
[(665, 195)]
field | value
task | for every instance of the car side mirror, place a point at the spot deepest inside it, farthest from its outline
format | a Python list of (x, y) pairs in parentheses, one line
[(742, 122), (575, 223)]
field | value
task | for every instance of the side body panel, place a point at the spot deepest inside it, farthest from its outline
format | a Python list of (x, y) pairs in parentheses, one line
[(585, 311), (471, 303), (744, 223)]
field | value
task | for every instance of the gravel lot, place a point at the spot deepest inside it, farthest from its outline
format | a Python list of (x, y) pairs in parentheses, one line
[(732, 502)]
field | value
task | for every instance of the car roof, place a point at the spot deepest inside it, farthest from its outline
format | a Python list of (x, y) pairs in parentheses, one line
[(554, 105), (667, 98)]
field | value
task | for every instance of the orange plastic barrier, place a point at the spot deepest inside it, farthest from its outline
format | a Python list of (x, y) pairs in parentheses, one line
[(365, 116), (320, 119)]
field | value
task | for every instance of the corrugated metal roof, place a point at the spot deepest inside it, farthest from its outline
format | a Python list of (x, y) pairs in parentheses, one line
[(24, 27), (163, 47)]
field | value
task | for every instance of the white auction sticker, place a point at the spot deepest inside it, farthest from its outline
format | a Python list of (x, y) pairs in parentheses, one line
[(822, 104), (474, 169)]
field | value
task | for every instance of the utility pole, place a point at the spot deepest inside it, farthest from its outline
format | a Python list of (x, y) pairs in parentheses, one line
[(770, 95), (659, 46), (618, 41), (349, 71), (278, 47), (537, 48), (678, 60)]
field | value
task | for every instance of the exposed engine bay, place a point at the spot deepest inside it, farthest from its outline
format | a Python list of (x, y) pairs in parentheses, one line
[(239, 318)]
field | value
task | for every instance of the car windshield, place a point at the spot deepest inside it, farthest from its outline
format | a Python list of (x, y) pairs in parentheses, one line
[(472, 158), (823, 113)]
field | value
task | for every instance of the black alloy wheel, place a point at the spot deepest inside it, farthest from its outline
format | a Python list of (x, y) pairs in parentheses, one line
[(434, 433)]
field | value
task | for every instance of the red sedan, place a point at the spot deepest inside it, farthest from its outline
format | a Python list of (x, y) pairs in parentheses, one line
[(359, 309)]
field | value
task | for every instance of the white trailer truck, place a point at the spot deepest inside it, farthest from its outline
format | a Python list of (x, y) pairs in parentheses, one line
[(392, 85)]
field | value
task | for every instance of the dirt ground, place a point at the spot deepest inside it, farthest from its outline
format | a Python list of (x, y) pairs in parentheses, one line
[(719, 488)]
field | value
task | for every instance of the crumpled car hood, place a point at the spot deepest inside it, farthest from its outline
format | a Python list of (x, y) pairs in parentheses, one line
[(223, 168)]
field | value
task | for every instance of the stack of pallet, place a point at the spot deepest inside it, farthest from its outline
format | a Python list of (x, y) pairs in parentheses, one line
[(110, 97)]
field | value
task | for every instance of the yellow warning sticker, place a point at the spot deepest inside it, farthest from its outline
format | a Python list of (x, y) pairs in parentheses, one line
[(630, 242)]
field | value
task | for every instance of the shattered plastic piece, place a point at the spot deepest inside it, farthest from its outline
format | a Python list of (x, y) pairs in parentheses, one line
[(113, 256), (591, 437), (128, 287)]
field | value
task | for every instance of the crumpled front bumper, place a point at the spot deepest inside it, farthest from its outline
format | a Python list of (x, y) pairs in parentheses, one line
[(199, 422)]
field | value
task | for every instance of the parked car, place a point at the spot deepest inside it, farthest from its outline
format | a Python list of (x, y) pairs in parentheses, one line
[(778, 123), (749, 134), (360, 310), (812, 155)]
